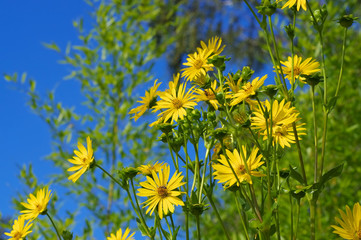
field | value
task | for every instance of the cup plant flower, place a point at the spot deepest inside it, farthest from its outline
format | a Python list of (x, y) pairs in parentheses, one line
[(226, 132)]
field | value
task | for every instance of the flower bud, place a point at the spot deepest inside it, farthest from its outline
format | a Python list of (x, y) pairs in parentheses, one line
[(347, 20), (247, 73)]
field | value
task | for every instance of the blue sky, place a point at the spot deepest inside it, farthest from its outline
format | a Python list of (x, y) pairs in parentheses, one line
[(25, 137)]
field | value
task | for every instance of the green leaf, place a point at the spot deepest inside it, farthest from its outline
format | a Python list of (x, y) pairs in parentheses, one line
[(52, 46), (331, 104), (295, 175), (334, 172), (67, 235)]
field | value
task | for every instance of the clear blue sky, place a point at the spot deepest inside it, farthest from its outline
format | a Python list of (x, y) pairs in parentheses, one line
[(25, 138)]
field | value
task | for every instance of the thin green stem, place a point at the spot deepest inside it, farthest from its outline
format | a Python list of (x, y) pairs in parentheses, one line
[(313, 219), (315, 165), (300, 157), (239, 206), (293, 52), (254, 14), (172, 222), (204, 171), (169, 228), (52, 222), (291, 203), (109, 175), (297, 218), (171, 153), (137, 210), (277, 54), (198, 228), (342, 61), (218, 216)]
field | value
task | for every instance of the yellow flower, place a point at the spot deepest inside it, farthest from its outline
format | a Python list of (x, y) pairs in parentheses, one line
[(306, 67), (147, 101), (283, 115), (83, 160), (120, 236), (197, 64), (300, 3), (249, 89), (234, 87), (36, 205), (223, 172), (161, 193), (20, 229), (214, 46), (175, 102), (208, 94), (147, 169), (350, 223)]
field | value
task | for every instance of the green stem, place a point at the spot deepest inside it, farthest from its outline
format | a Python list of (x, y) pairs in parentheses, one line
[(56, 230), (315, 134), (342, 61), (291, 203), (187, 225), (293, 52), (204, 171), (254, 14), (137, 210), (312, 219), (241, 215), (109, 175), (325, 109), (218, 216), (297, 218), (198, 228), (170, 231), (277, 54), (171, 153), (299, 153)]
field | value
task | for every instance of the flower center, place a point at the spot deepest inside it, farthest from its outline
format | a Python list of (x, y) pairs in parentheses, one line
[(38, 207), (209, 94), (296, 71), (280, 130), (17, 235), (242, 169), (177, 103), (198, 64), (248, 88), (358, 234), (162, 191)]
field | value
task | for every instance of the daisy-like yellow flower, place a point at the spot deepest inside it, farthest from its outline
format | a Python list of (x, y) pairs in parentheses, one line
[(208, 95), (283, 116), (147, 169), (214, 46), (197, 64), (350, 223), (36, 205), (306, 67), (120, 236), (249, 89), (300, 3), (175, 102), (223, 172), (20, 229), (83, 160), (147, 101), (161, 193)]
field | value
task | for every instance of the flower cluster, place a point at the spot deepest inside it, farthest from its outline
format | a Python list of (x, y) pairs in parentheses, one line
[(35, 206)]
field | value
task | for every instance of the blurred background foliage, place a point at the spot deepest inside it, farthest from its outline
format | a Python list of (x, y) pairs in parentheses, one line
[(116, 60)]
